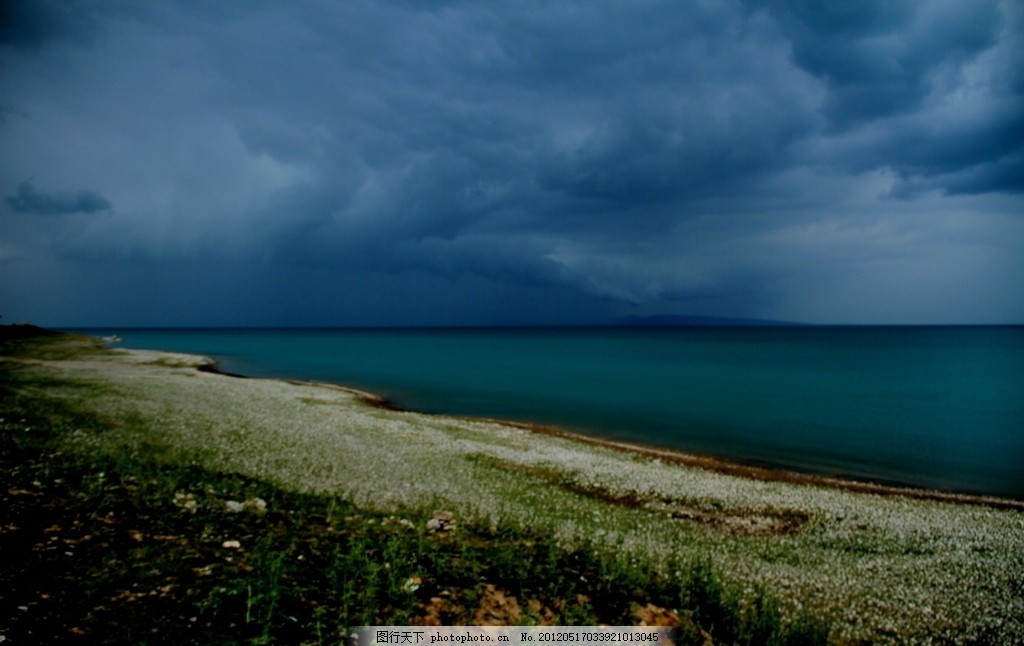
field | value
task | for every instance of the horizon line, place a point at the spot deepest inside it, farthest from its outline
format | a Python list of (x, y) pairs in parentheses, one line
[(538, 326)]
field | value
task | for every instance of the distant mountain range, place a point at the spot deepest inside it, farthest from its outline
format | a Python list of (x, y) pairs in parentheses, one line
[(668, 320)]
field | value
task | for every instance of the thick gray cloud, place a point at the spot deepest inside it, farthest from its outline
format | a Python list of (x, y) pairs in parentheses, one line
[(31, 23), (29, 200), (759, 158), (879, 58)]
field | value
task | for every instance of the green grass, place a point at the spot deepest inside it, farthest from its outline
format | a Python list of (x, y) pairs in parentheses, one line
[(133, 545), (28, 341)]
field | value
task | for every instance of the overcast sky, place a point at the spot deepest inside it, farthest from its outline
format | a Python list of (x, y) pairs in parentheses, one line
[(409, 162)]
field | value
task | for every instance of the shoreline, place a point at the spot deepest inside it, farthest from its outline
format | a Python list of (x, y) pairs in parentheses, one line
[(706, 462), (768, 474), (842, 550)]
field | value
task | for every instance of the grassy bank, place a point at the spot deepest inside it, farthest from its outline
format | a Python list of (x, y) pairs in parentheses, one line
[(132, 545), (120, 469)]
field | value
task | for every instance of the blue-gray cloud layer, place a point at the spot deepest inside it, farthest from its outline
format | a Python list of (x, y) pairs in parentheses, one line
[(30, 200), (823, 161)]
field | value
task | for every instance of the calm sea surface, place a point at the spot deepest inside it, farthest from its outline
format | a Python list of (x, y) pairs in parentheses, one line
[(938, 407)]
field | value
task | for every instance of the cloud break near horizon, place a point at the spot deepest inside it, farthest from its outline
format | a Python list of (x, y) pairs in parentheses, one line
[(494, 163)]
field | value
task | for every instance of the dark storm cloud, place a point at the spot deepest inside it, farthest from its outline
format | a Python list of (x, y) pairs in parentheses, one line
[(879, 57), (930, 90), (733, 155), (486, 120), (30, 23), (1005, 175), (30, 200)]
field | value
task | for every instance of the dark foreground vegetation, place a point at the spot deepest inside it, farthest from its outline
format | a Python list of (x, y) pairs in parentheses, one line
[(136, 548)]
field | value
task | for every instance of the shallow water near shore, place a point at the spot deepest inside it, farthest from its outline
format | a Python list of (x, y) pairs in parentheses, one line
[(936, 407)]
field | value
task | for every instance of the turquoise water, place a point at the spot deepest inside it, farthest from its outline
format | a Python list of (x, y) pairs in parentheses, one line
[(938, 407)]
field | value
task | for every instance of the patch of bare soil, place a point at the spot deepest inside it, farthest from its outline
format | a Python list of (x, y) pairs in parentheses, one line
[(746, 522)]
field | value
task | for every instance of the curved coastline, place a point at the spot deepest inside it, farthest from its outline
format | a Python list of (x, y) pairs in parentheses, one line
[(706, 462), (842, 550)]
